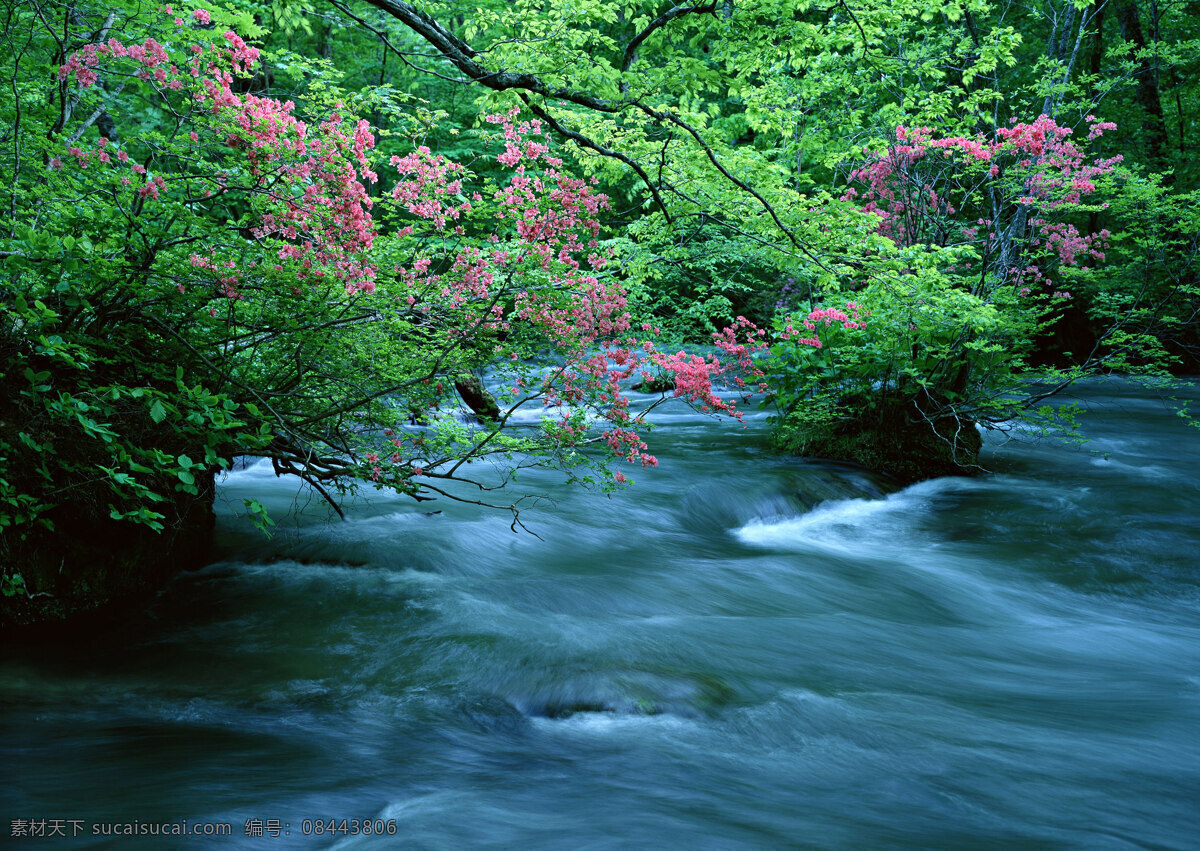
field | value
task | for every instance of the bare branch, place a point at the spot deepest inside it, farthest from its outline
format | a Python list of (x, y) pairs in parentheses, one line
[(90, 120)]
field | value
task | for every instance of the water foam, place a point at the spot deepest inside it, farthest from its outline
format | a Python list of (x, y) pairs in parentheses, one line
[(848, 525)]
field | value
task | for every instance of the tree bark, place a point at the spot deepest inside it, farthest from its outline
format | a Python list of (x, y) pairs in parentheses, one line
[(1146, 95)]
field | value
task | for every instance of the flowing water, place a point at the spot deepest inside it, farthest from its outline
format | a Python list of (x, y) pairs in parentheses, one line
[(740, 651)]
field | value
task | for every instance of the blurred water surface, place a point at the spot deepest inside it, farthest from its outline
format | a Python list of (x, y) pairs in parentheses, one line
[(740, 651)]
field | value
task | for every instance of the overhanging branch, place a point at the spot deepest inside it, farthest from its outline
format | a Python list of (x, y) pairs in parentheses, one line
[(465, 59), (662, 20), (585, 142)]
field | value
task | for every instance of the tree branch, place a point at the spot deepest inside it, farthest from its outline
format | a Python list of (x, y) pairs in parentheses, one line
[(661, 21), (463, 57), (585, 142), (91, 119)]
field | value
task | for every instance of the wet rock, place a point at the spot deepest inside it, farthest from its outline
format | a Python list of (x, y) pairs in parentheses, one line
[(478, 399), (825, 482), (661, 383)]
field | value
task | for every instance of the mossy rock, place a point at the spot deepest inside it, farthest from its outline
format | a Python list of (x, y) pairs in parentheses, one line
[(477, 397), (908, 451), (662, 383)]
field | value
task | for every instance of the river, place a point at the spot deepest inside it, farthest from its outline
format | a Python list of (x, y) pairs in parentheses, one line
[(740, 651)]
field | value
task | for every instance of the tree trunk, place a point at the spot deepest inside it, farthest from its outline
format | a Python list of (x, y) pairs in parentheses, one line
[(1146, 95)]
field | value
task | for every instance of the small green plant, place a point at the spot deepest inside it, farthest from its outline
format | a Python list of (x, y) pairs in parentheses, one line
[(13, 585), (259, 516)]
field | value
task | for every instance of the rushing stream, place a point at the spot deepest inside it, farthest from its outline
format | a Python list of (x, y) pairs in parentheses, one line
[(740, 651)]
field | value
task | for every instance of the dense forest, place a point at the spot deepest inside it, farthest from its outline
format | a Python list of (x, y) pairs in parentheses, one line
[(306, 231)]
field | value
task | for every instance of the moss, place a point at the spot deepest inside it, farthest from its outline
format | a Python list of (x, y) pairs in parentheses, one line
[(478, 399), (661, 383), (890, 442)]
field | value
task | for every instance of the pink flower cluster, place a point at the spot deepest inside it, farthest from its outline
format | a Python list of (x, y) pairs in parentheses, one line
[(543, 277), (1026, 166), (515, 267), (852, 319), (304, 183)]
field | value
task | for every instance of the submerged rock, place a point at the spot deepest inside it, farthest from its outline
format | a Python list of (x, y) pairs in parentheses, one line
[(631, 693), (802, 484), (825, 481)]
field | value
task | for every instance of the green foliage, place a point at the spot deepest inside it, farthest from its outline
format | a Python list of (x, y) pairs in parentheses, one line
[(725, 136), (259, 516), (13, 585), (903, 388), (125, 385), (1146, 297)]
